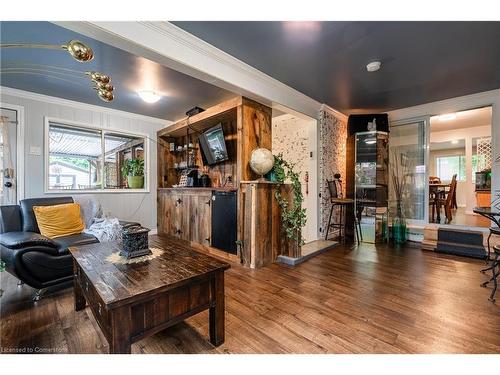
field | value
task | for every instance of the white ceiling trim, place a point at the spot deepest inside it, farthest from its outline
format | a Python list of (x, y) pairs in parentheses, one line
[(175, 48), (79, 105), (461, 103)]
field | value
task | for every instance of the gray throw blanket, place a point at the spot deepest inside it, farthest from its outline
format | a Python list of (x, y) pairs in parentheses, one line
[(105, 229)]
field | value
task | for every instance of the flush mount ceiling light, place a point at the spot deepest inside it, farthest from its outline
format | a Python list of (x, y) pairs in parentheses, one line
[(149, 96), (447, 117), (373, 66), (455, 141)]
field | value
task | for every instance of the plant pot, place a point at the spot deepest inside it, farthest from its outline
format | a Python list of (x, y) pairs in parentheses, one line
[(135, 182)]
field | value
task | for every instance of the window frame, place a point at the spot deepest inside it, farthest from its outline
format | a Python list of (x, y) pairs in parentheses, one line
[(74, 124)]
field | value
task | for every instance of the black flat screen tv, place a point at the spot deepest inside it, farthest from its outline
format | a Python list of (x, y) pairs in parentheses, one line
[(213, 146)]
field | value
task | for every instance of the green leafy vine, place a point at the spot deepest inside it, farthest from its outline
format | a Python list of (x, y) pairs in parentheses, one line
[(293, 217)]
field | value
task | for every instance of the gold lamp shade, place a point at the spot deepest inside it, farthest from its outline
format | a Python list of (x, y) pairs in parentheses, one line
[(79, 51), (107, 96), (105, 86), (98, 77)]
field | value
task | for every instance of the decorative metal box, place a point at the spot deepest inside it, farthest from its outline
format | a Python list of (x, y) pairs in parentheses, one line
[(135, 242)]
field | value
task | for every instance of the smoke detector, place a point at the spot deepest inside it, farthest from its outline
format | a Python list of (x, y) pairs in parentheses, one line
[(373, 66)]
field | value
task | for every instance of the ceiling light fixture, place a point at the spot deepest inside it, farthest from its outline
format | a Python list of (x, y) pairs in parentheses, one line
[(149, 96), (78, 50), (447, 117), (455, 141), (373, 66)]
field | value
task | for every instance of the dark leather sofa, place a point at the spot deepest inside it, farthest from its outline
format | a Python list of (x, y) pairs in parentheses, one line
[(34, 259)]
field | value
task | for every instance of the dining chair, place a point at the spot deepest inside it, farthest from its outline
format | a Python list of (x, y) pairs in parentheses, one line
[(445, 199)]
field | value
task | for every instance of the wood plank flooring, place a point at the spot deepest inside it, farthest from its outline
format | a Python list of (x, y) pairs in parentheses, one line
[(347, 300)]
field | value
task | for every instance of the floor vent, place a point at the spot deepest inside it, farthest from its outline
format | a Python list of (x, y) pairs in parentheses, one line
[(467, 243)]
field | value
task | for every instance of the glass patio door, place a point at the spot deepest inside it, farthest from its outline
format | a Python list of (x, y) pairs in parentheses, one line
[(408, 156)]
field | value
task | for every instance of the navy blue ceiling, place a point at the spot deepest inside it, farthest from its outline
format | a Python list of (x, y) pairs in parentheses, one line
[(421, 61), (128, 72)]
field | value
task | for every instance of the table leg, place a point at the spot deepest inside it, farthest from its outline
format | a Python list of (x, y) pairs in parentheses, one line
[(438, 213), (80, 301), (120, 331), (216, 313)]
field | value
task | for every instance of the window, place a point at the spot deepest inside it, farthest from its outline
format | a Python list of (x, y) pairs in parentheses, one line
[(81, 158), (447, 166)]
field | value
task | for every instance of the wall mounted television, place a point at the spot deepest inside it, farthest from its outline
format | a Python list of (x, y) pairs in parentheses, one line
[(213, 146)]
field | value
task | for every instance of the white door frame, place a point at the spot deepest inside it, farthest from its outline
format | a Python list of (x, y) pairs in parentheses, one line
[(19, 148)]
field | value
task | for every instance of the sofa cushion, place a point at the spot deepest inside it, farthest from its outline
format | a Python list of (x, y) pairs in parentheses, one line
[(59, 220), (74, 240), (18, 240), (29, 220)]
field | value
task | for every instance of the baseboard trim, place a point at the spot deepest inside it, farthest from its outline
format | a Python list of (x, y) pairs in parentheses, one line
[(295, 261)]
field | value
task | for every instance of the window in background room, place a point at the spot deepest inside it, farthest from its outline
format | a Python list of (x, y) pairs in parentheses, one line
[(447, 166), (81, 158)]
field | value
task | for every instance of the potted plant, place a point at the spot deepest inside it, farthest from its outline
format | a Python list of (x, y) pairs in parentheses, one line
[(401, 170), (134, 170), (293, 216)]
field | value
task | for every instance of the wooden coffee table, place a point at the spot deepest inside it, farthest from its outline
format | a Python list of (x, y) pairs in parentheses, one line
[(136, 300)]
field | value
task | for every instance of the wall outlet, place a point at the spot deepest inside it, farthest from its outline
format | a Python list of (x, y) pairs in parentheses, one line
[(35, 150)]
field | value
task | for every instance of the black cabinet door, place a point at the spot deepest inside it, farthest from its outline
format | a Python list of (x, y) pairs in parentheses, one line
[(224, 229)]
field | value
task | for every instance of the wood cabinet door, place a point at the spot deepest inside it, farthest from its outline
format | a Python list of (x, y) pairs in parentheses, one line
[(204, 227), (180, 204), (199, 219), (169, 215)]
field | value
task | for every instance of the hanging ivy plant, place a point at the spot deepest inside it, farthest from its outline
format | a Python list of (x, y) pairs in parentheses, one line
[(293, 217)]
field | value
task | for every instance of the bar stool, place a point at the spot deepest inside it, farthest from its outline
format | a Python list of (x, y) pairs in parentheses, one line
[(337, 200), (495, 271)]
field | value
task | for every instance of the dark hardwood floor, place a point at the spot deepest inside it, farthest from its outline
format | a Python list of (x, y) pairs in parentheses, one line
[(360, 300)]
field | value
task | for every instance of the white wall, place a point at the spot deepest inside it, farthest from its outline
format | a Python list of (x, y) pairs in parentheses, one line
[(139, 207), (295, 138)]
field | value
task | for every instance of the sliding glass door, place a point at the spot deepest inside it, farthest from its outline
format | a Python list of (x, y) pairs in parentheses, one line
[(408, 157)]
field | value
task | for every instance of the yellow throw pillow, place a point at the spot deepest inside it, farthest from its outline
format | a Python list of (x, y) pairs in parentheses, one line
[(59, 220)]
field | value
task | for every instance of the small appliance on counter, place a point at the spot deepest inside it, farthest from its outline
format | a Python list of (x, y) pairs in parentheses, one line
[(204, 181), (192, 178)]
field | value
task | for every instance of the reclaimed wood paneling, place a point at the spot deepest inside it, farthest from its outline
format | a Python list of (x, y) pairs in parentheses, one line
[(264, 238)]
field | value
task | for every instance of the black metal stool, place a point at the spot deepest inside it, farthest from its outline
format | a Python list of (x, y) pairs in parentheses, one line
[(495, 271), (336, 200)]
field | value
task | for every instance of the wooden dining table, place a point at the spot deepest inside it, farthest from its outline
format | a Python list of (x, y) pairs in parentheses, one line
[(434, 191)]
